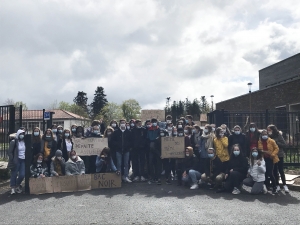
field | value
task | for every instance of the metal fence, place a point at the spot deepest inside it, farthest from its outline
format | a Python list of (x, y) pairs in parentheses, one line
[(286, 122), (10, 117)]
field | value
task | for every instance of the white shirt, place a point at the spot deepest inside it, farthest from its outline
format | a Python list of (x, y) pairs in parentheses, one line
[(69, 146), (21, 147)]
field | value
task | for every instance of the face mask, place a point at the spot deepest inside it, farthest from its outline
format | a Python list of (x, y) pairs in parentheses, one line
[(67, 135), (54, 130), (96, 132), (205, 130), (39, 161), (213, 129), (211, 155), (252, 129), (162, 134), (148, 125), (113, 125), (270, 133), (108, 133), (180, 134), (186, 121), (59, 158), (186, 131), (36, 133), (60, 131), (74, 157), (224, 130), (170, 128), (123, 125), (128, 127), (187, 154), (74, 130), (154, 124), (194, 131), (236, 153), (168, 121), (237, 132), (21, 136), (175, 134), (48, 136), (265, 137), (132, 124), (179, 126), (139, 127), (221, 135), (255, 154)]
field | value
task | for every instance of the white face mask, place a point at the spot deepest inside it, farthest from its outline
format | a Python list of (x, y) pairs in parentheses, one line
[(186, 131), (39, 161), (270, 133), (170, 128), (265, 137), (168, 121), (128, 127), (132, 124), (154, 124), (67, 134), (179, 126), (123, 125), (252, 129), (187, 154), (213, 129), (237, 132), (74, 157), (162, 134), (205, 130), (113, 125), (36, 133)]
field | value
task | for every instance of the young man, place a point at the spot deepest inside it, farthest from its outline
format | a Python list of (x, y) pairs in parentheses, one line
[(121, 140), (189, 120)]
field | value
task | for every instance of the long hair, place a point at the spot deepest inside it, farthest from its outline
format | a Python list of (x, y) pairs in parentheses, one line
[(275, 131), (36, 139), (44, 135), (259, 156)]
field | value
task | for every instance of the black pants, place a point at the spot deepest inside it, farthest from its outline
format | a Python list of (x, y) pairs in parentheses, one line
[(155, 166), (138, 161), (202, 163), (234, 179), (167, 166), (278, 167), (269, 172)]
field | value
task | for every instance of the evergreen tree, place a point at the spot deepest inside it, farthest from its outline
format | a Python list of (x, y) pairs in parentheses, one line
[(204, 105), (174, 111), (81, 100), (180, 109), (98, 103)]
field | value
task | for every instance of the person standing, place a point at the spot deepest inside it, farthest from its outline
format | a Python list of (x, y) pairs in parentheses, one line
[(65, 144), (252, 137), (221, 146), (16, 161), (36, 142), (206, 142), (237, 137), (48, 147)]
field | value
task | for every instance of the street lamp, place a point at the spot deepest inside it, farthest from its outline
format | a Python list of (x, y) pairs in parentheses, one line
[(212, 102), (249, 85)]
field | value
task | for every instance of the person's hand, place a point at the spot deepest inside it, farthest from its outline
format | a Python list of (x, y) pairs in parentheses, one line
[(184, 174), (226, 175), (258, 162), (118, 173), (42, 175), (56, 175), (231, 170)]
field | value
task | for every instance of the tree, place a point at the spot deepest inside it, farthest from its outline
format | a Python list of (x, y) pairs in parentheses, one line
[(9, 101), (111, 111), (205, 108), (98, 103), (131, 109), (174, 111), (24, 106), (81, 100), (64, 106), (180, 108), (53, 105), (195, 109)]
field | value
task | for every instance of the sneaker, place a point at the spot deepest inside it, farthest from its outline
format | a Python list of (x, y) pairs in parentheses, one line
[(200, 181), (13, 191), (158, 182), (136, 178), (127, 180), (168, 181), (265, 190), (274, 190), (286, 189), (19, 189), (194, 186), (236, 191), (278, 188), (143, 178)]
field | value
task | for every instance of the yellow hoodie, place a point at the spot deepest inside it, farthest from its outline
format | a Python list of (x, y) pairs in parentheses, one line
[(221, 147)]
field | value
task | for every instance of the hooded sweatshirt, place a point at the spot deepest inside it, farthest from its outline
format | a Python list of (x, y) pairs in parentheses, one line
[(75, 168)]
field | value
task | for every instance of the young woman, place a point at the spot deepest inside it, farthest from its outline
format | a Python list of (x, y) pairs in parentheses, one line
[(196, 135), (39, 168), (16, 161), (104, 162), (237, 137), (206, 141), (114, 125), (252, 137), (225, 130), (108, 134), (270, 150), (36, 142), (54, 132), (80, 132), (274, 133), (73, 130), (221, 146), (65, 144), (236, 170), (48, 147), (256, 173), (57, 167), (75, 165), (60, 131)]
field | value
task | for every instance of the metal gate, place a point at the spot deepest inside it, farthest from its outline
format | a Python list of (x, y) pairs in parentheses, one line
[(9, 116)]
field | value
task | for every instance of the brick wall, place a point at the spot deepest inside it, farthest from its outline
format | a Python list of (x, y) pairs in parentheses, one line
[(270, 98)]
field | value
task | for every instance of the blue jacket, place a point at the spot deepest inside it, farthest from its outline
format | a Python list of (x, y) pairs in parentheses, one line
[(203, 147), (153, 134), (110, 166)]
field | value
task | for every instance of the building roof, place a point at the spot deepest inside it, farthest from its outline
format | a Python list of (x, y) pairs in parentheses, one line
[(58, 114)]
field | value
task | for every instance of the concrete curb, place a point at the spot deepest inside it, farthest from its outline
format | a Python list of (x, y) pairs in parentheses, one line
[(294, 187), (4, 183)]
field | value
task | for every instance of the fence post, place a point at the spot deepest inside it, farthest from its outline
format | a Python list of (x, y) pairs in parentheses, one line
[(21, 116), (28, 159), (43, 121), (12, 111), (267, 117), (223, 119)]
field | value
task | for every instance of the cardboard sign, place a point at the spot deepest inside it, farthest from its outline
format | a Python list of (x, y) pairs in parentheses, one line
[(40, 185), (68, 183), (84, 182), (106, 180), (89, 146), (172, 147), (153, 113)]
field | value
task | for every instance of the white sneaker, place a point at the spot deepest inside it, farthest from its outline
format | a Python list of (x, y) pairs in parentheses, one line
[(127, 180), (286, 189), (265, 191), (136, 178), (236, 191), (19, 190), (200, 182), (12, 191), (143, 178), (278, 188), (194, 186)]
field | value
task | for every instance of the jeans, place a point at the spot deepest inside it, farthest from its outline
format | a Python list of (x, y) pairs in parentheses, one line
[(155, 166), (125, 157), (257, 187), (193, 176), (18, 171), (138, 161)]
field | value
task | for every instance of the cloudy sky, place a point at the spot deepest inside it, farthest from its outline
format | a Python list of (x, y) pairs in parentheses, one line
[(142, 49)]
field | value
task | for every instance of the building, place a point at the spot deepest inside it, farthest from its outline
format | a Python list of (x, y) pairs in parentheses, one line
[(34, 118), (279, 89)]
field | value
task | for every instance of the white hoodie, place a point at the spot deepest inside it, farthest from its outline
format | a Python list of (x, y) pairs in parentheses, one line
[(21, 145), (258, 172)]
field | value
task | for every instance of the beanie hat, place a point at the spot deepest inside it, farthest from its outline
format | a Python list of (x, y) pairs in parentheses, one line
[(58, 153)]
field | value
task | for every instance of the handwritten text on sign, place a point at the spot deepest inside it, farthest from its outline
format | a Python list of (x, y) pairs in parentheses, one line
[(89, 146), (105, 180), (153, 113), (172, 147)]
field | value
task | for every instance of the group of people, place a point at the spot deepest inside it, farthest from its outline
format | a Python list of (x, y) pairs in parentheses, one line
[(218, 158)]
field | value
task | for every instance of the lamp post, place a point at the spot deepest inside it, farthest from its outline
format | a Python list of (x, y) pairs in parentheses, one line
[(249, 86), (212, 102)]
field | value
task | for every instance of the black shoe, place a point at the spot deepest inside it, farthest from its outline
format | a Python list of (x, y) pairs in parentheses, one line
[(274, 191), (168, 181), (158, 182), (220, 190), (211, 187)]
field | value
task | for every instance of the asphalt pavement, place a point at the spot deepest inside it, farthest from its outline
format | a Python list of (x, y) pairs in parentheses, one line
[(143, 203)]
